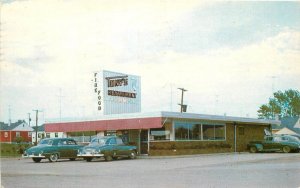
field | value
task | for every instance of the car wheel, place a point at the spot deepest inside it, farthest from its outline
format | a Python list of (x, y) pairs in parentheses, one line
[(72, 159), (36, 160), (132, 155), (286, 149), (53, 157), (253, 149), (108, 158), (89, 159)]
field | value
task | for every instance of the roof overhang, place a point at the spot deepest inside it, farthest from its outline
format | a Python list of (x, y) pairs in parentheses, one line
[(225, 119), (144, 121)]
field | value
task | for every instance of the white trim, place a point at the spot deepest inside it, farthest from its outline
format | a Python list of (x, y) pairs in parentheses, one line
[(177, 115)]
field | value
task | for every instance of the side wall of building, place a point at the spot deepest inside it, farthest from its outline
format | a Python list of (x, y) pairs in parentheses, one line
[(11, 136), (244, 134)]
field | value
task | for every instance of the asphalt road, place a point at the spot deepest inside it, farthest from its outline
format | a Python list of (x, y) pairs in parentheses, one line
[(218, 170)]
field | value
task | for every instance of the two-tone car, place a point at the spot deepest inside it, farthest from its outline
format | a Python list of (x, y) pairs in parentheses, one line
[(53, 149), (109, 148), (284, 143)]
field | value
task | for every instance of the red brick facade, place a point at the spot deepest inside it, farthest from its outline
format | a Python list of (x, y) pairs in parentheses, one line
[(10, 136)]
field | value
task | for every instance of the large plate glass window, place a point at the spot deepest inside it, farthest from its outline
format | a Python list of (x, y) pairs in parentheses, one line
[(159, 134), (199, 131)]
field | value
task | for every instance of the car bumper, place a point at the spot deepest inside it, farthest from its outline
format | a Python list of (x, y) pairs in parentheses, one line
[(33, 156), (90, 155)]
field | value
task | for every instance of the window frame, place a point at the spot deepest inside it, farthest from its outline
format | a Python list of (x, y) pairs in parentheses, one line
[(165, 137), (201, 137)]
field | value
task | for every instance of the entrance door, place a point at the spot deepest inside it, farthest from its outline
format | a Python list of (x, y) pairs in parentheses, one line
[(144, 141)]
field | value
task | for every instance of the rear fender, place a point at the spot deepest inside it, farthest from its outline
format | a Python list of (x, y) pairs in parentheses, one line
[(259, 147)]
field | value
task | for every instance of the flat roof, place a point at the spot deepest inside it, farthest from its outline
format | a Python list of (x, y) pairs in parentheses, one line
[(175, 115)]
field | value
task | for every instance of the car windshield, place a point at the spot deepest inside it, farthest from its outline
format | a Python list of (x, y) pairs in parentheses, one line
[(45, 142), (98, 141)]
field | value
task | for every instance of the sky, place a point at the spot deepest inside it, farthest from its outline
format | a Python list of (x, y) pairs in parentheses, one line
[(230, 56)]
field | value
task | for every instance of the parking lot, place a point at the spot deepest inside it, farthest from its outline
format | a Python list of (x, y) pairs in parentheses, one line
[(216, 170)]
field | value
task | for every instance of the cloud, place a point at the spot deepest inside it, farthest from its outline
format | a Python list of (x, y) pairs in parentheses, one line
[(45, 52)]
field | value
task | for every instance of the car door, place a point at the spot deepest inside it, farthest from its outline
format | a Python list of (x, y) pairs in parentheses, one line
[(71, 149), (277, 143), (268, 143), (112, 143), (121, 148), (62, 148)]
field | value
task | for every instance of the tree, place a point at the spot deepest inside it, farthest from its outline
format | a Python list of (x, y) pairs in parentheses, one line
[(283, 104)]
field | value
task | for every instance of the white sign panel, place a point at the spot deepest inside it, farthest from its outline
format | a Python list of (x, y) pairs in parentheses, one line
[(117, 92)]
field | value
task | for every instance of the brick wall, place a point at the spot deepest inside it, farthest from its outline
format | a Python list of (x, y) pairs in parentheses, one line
[(250, 133)]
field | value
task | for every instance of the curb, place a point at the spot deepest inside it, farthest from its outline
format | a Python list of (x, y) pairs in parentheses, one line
[(187, 156)]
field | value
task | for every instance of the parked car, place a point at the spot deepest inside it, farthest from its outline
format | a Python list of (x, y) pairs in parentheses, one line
[(295, 135), (53, 149), (109, 148), (285, 143)]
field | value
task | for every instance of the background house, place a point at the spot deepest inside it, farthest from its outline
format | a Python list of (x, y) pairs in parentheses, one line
[(42, 134), (289, 125), (18, 131)]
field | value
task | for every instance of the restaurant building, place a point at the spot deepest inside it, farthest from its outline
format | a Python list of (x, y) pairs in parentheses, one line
[(118, 103), (172, 133)]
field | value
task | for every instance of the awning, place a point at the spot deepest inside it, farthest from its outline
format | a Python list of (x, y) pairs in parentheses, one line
[(103, 125)]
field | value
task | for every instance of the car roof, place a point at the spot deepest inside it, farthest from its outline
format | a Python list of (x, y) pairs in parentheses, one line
[(107, 137), (58, 139)]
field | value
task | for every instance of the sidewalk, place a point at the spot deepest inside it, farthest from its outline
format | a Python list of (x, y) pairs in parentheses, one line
[(187, 156)]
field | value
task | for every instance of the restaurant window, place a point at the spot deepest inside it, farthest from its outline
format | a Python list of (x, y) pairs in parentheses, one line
[(198, 131), (208, 132), (186, 131), (159, 134), (182, 131), (213, 132), (219, 132), (195, 132)]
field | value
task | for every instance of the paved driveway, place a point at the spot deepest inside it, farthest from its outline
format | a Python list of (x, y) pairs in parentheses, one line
[(220, 170)]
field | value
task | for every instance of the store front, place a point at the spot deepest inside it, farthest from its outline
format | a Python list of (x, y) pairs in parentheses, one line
[(171, 133)]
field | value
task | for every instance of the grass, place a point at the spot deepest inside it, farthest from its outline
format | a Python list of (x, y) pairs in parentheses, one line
[(12, 150)]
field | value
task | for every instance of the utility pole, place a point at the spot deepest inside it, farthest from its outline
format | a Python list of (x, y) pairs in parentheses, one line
[(36, 125), (29, 119), (181, 104), (9, 114), (60, 96)]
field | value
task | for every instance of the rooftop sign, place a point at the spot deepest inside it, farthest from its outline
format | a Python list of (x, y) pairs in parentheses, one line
[(117, 92)]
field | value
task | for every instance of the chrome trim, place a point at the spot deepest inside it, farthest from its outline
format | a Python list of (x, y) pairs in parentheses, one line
[(33, 156), (90, 155)]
